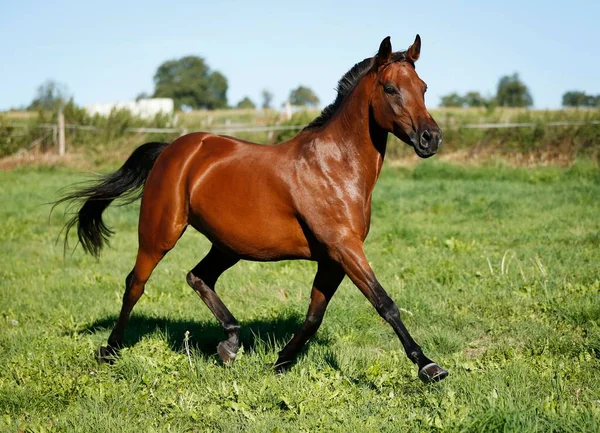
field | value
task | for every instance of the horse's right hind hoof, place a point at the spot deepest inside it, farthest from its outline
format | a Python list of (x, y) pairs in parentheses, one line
[(226, 353), (106, 354)]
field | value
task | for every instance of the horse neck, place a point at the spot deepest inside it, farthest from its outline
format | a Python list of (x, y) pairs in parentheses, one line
[(356, 134)]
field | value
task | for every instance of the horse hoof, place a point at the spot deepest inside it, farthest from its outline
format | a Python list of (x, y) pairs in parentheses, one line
[(106, 354), (282, 367), (432, 373), (225, 353)]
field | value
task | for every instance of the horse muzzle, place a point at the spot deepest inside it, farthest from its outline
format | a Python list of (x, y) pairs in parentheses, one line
[(427, 141)]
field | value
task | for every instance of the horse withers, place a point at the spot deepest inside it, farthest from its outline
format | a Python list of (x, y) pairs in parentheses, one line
[(307, 198)]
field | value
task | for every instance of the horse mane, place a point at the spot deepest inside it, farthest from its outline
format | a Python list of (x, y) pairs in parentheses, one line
[(347, 83)]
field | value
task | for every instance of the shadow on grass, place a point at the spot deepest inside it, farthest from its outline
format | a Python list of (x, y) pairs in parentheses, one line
[(204, 336)]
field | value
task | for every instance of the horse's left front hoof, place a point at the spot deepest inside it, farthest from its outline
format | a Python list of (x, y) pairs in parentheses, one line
[(432, 373), (106, 354)]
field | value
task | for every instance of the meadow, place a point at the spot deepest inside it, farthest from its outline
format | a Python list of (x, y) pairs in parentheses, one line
[(496, 269)]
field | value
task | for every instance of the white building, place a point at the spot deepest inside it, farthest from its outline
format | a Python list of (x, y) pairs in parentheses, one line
[(146, 108)]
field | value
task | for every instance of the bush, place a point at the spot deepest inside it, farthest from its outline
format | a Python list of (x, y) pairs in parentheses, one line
[(564, 143), (23, 134), (299, 119), (104, 133), (553, 141)]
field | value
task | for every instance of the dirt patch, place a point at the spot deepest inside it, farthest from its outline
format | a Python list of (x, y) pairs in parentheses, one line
[(477, 347), (38, 159)]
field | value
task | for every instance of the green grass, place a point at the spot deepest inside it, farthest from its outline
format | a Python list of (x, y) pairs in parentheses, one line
[(496, 269)]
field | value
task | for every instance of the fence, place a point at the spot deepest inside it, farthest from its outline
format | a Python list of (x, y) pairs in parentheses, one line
[(57, 130)]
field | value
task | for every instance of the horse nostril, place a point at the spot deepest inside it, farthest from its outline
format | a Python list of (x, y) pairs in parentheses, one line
[(425, 138)]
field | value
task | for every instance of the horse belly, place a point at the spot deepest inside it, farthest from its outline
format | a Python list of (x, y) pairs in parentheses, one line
[(247, 217), (250, 237)]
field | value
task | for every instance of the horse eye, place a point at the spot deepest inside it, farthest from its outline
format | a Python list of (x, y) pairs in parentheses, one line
[(390, 90)]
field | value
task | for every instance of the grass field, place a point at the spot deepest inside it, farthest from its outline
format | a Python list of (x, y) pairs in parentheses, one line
[(497, 270)]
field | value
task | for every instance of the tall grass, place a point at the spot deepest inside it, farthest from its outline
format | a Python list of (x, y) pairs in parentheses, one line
[(540, 141), (107, 133)]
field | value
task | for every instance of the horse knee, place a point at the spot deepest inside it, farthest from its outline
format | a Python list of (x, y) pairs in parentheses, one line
[(387, 308)]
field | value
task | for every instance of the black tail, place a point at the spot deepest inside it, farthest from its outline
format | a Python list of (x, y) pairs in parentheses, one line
[(126, 182)]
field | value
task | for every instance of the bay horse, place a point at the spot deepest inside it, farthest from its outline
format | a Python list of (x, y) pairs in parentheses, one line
[(307, 198)]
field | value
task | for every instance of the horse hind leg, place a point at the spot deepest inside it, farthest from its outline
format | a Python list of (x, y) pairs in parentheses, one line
[(203, 279), (148, 257)]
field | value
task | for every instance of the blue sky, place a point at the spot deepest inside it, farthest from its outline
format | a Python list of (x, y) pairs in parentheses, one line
[(108, 51)]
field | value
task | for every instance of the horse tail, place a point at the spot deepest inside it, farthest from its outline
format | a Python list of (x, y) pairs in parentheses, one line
[(127, 182)]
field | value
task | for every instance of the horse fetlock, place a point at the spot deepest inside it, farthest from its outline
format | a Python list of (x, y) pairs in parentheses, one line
[(227, 351)]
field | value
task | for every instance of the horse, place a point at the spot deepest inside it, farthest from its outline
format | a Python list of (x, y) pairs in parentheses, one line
[(306, 198)]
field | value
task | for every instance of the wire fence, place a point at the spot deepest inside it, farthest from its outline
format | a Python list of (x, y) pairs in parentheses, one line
[(223, 129), (57, 130)]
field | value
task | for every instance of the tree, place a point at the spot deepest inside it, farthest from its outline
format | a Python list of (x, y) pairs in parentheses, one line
[(576, 98), (142, 95), (573, 98), (592, 101), (49, 96), (217, 90), (512, 92), (303, 96), (246, 103), (267, 98), (191, 83), (475, 99), (452, 100)]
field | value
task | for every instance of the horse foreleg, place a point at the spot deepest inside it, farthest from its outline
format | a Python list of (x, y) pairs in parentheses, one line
[(351, 256), (203, 279), (328, 278)]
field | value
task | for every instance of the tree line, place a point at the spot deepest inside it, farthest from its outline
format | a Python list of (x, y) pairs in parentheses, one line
[(513, 92), (192, 84), (189, 81), (575, 98)]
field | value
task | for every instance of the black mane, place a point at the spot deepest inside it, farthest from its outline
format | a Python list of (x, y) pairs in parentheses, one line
[(347, 83)]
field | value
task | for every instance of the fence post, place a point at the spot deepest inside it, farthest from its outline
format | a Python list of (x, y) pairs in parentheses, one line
[(55, 135), (61, 132)]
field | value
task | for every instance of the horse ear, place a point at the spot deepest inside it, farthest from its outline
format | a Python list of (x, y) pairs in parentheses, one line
[(414, 51), (384, 54)]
